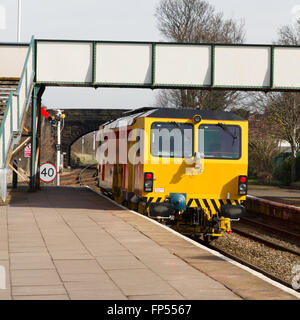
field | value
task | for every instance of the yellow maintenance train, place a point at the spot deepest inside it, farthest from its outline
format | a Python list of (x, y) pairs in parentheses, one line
[(185, 167)]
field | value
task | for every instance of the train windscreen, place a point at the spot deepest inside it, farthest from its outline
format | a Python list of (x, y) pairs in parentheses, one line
[(172, 139), (220, 141)]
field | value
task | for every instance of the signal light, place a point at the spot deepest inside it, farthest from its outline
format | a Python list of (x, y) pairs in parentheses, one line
[(242, 187), (148, 181), (148, 176)]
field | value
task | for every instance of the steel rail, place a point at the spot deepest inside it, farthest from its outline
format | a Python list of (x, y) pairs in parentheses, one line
[(82, 171), (266, 242), (276, 230)]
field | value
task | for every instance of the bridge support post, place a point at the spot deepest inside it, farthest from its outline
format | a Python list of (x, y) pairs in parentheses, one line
[(35, 136), (39, 119), (15, 176)]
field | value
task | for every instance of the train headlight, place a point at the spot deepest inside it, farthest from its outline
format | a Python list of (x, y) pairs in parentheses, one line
[(197, 118), (148, 184), (242, 187)]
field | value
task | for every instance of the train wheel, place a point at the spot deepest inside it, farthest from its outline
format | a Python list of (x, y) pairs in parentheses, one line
[(207, 238), (125, 203)]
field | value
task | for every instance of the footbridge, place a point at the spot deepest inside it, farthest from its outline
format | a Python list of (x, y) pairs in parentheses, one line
[(152, 65)]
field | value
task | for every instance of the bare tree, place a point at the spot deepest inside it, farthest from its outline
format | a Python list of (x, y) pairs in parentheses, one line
[(263, 146), (289, 34), (197, 21), (283, 110)]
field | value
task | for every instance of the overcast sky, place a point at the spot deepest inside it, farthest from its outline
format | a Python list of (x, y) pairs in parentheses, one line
[(131, 20)]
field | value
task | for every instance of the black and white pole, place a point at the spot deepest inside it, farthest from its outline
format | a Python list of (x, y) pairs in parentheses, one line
[(58, 147)]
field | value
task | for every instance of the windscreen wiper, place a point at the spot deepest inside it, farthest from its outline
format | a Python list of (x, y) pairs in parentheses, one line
[(225, 128), (176, 124)]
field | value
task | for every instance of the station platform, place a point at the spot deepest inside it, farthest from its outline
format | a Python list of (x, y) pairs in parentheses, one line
[(71, 243), (276, 194)]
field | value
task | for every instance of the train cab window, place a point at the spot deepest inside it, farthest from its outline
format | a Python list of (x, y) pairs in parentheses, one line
[(172, 139), (220, 141)]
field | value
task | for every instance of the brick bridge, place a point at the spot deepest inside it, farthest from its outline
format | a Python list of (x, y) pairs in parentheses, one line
[(79, 122)]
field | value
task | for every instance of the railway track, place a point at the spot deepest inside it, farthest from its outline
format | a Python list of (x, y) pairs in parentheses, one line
[(269, 240), (287, 234), (87, 175), (80, 176)]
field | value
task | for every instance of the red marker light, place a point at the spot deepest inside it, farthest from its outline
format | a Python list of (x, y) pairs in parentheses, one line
[(44, 113), (243, 179), (148, 176)]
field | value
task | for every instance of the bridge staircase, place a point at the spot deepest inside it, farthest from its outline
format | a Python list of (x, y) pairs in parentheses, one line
[(7, 85), (15, 97)]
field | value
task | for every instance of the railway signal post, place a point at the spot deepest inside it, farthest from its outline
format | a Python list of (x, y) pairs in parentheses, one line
[(60, 117)]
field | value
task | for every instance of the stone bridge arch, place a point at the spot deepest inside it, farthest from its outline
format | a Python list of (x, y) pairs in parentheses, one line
[(79, 122)]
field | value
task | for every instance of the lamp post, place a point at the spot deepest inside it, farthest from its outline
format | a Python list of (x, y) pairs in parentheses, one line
[(19, 21)]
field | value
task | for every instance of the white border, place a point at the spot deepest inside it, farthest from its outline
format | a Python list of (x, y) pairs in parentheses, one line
[(215, 253)]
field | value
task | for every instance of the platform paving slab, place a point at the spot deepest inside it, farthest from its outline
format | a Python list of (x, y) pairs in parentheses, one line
[(103, 289), (43, 297), (23, 261), (120, 262), (141, 282), (38, 277), (157, 297), (39, 290), (70, 243)]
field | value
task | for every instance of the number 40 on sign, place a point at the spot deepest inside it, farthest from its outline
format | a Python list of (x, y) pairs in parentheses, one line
[(48, 172)]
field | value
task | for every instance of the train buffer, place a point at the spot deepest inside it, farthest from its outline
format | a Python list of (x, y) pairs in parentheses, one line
[(71, 243)]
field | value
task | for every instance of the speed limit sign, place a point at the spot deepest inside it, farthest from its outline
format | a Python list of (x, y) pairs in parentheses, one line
[(48, 172)]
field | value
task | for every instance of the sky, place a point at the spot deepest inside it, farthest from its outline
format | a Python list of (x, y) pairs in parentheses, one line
[(130, 20)]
